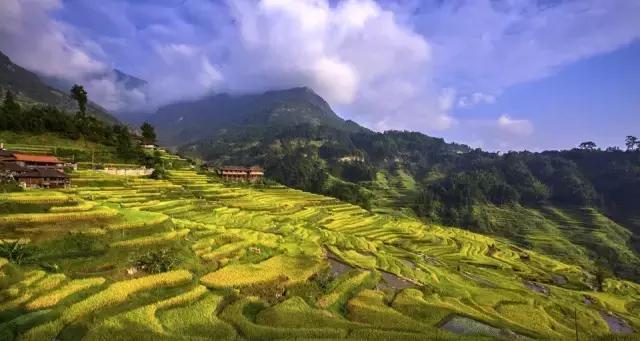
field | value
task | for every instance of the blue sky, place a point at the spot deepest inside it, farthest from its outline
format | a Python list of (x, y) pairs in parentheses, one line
[(496, 74)]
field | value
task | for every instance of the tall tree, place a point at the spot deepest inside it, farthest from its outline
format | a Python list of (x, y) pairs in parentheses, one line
[(632, 143), (9, 102), (148, 133), (589, 145), (80, 95)]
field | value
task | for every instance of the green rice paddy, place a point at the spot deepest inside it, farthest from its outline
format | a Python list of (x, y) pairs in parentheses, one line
[(277, 263)]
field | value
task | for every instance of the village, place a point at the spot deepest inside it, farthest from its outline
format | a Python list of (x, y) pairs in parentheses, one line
[(33, 171), (48, 171)]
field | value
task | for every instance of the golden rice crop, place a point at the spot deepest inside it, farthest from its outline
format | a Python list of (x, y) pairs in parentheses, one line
[(147, 325), (49, 282), (82, 206), (47, 197), (100, 213), (54, 297), (118, 292), (290, 269), (143, 220), (115, 294), (344, 288), (150, 240)]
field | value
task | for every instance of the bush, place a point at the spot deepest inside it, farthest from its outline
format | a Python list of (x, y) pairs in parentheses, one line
[(9, 187), (157, 261), (158, 173), (16, 251)]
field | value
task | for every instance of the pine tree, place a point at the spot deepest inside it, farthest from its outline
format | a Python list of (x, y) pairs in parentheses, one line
[(9, 103)]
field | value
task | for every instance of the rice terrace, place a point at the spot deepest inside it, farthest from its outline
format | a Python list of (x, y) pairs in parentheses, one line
[(240, 261), (319, 170)]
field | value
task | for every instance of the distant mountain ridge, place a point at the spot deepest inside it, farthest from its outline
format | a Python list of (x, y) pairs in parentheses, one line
[(190, 121), (29, 87)]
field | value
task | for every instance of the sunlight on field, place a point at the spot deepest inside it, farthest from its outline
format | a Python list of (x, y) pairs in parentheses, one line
[(272, 263)]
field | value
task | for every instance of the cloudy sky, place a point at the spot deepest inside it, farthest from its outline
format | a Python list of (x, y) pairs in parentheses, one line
[(496, 74)]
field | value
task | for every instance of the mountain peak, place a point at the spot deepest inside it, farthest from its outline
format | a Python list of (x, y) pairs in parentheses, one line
[(194, 120)]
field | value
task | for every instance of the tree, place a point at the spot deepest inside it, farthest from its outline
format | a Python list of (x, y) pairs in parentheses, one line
[(148, 133), (632, 143), (601, 274), (9, 103), (80, 95), (589, 145)]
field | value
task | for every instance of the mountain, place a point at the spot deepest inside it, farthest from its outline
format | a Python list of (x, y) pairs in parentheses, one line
[(30, 88), (568, 204), (130, 82), (191, 121)]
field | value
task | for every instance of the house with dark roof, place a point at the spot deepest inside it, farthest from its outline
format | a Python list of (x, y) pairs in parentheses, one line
[(43, 177), (236, 173), (32, 170)]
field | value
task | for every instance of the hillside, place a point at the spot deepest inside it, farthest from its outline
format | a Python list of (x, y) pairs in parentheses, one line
[(212, 116), (30, 89), (302, 143), (191, 257)]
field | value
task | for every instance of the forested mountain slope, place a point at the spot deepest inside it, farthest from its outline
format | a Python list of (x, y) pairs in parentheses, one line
[(303, 144), (29, 88)]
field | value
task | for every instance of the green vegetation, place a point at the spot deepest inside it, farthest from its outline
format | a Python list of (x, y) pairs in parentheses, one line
[(192, 257)]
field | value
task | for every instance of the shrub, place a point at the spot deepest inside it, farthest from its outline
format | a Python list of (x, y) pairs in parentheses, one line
[(158, 173), (157, 261), (16, 251)]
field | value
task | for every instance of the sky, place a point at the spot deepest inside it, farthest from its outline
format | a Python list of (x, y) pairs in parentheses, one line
[(496, 74)]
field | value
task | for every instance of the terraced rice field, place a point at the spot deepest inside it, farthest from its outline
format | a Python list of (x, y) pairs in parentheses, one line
[(276, 263)]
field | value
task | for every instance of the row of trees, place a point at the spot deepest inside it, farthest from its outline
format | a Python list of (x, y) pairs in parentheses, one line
[(631, 142), (41, 119)]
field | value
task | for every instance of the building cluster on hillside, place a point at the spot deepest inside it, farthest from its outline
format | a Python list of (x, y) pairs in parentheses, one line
[(237, 173), (32, 171)]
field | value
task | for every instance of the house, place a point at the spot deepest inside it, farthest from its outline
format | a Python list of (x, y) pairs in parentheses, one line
[(351, 158), (6, 155), (37, 161), (42, 177), (32, 170), (235, 173)]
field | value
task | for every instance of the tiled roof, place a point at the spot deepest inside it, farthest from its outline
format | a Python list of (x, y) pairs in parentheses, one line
[(6, 153), (239, 168), (13, 167), (36, 158), (43, 173)]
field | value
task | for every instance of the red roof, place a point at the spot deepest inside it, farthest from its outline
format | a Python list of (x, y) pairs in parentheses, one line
[(36, 158)]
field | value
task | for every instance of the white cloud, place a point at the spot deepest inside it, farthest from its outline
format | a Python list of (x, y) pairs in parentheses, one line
[(486, 46), (475, 99), (402, 65), (51, 48), (517, 127)]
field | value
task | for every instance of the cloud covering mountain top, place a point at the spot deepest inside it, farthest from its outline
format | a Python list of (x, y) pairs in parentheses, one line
[(401, 65)]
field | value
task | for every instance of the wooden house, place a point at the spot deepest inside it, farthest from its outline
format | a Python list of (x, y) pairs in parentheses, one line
[(43, 178), (32, 171), (245, 174)]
